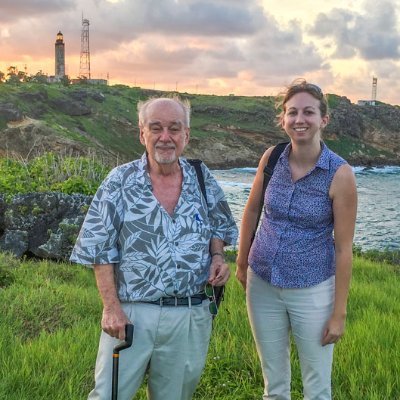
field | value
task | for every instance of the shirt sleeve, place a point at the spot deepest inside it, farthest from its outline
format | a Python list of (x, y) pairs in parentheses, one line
[(223, 225), (97, 241)]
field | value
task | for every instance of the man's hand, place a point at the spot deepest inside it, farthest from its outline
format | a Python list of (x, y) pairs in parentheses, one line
[(219, 271), (113, 322)]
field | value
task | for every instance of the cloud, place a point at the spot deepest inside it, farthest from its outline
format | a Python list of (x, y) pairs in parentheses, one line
[(266, 56), (12, 10), (222, 46), (275, 52), (372, 34), (113, 24)]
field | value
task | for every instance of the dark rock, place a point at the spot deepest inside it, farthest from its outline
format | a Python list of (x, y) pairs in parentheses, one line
[(2, 211), (10, 112), (82, 95), (42, 224), (40, 96), (70, 107), (97, 96), (15, 242)]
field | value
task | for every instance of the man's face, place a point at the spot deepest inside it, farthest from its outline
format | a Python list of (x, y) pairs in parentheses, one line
[(164, 132)]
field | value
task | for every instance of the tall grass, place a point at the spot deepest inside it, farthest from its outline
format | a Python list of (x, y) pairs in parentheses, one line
[(49, 328)]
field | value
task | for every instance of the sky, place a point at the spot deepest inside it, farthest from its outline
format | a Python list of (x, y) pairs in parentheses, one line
[(241, 47)]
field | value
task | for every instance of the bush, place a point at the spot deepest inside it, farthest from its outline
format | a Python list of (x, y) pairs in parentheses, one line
[(51, 172)]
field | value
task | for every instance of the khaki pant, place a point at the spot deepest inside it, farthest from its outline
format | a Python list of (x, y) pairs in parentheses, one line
[(170, 343), (273, 313)]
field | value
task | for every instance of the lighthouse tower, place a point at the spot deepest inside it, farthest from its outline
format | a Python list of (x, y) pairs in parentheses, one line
[(60, 56)]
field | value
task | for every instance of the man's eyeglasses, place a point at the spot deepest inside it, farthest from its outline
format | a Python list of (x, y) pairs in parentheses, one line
[(210, 293)]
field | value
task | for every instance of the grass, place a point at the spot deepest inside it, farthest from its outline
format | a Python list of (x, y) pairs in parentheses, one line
[(49, 329)]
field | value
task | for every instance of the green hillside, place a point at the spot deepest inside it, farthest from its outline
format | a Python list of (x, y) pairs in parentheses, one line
[(226, 131)]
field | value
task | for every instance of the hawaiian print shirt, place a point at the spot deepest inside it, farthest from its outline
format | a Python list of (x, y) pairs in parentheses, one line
[(155, 254)]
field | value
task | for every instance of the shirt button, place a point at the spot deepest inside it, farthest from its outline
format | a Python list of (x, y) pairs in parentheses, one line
[(174, 221), (175, 291), (178, 266), (176, 243)]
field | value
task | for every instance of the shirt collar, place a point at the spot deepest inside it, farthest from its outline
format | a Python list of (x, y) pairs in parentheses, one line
[(186, 171), (322, 162)]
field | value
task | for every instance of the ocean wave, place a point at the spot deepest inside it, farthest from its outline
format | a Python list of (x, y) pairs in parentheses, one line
[(234, 184), (388, 169)]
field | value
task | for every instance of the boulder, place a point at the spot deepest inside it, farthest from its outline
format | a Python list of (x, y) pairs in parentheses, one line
[(42, 225), (9, 112), (70, 107), (2, 211)]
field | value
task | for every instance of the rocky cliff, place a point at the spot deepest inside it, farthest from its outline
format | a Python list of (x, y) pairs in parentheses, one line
[(227, 131)]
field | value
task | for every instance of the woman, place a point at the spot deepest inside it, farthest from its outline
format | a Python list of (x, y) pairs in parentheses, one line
[(299, 276)]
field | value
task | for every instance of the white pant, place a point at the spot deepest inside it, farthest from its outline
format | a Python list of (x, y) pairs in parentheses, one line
[(273, 312), (170, 342)]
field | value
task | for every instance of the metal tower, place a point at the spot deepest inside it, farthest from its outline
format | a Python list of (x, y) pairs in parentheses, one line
[(84, 65), (59, 56), (374, 86)]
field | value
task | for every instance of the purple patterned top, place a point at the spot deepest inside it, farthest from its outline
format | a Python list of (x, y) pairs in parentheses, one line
[(294, 246)]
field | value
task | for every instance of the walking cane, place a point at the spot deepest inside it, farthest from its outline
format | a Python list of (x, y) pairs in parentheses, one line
[(124, 345)]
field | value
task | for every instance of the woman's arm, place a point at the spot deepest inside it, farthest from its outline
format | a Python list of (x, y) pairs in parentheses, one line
[(344, 202), (249, 219)]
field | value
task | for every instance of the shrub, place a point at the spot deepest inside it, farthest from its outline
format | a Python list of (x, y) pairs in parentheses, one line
[(51, 172)]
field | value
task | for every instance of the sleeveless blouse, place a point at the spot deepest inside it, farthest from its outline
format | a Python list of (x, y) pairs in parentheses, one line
[(294, 246)]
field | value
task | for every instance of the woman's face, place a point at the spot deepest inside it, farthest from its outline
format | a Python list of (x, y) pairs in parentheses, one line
[(302, 119)]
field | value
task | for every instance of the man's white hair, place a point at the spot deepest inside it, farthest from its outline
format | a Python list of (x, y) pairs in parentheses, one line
[(184, 103)]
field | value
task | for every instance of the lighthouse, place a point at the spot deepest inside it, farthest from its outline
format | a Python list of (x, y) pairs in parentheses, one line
[(60, 56)]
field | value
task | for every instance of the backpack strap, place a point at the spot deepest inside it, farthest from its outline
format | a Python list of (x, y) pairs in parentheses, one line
[(218, 290), (200, 177), (268, 171)]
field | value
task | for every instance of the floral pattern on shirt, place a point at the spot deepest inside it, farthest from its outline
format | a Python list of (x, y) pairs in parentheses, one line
[(294, 247), (155, 254)]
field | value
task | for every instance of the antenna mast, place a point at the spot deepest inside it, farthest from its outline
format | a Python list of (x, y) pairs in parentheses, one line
[(84, 66), (374, 86)]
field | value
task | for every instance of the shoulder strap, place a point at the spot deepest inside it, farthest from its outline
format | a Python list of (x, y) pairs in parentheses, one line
[(268, 171), (218, 290), (200, 177)]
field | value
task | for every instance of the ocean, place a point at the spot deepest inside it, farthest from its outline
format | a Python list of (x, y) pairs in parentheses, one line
[(378, 215)]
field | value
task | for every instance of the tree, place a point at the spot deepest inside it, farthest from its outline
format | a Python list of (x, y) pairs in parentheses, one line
[(12, 75), (39, 77)]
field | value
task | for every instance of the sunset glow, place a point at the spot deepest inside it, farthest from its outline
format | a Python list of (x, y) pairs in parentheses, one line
[(217, 47)]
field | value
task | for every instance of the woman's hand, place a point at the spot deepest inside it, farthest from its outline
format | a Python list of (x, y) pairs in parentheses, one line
[(241, 271), (334, 330)]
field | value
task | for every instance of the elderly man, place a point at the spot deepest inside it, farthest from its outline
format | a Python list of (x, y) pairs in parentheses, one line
[(154, 242)]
